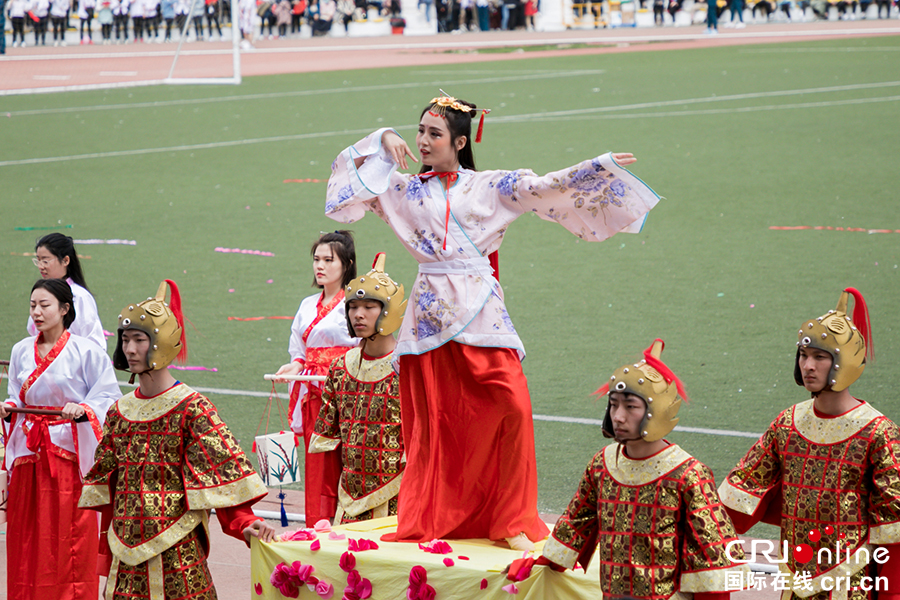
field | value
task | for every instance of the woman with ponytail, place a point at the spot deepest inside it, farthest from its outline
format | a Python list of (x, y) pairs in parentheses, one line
[(51, 544), (467, 425), (319, 335), (55, 257)]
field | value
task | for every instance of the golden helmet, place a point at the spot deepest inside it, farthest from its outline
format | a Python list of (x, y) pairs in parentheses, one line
[(377, 285), (840, 336), (164, 325), (656, 385)]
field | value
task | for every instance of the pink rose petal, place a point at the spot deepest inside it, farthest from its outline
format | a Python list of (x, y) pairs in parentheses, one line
[(336, 536), (353, 578), (427, 593), (417, 576), (463, 557), (449, 562), (322, 526), (511, 589), (315, 545), (364, 589), (258, 589), (484, 584), (325, 590), (347, 562)]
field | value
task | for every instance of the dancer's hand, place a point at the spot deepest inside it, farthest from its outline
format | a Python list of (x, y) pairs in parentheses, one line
[(397, 149), (260, 530), (624, 158)]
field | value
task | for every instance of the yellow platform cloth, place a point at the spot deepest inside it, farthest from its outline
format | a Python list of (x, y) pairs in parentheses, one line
[(388, 568)]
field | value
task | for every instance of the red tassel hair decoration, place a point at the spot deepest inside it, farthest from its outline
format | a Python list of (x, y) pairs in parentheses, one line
[(484, 111)]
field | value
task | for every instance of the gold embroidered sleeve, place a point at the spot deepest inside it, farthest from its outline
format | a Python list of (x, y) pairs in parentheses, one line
[(216, 470), (575, 535), (707, 558), (757, 473), (884, 504), (328, 423), (100, 479)]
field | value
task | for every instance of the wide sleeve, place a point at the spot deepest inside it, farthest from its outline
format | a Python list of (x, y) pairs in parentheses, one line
[(87, 318), (574, 538), (327, 435), (216, 471), (710, 546), (353, 190), (14, 380), (752, 491), (100, 481), (884, 503), (594, 199), (296, 346)]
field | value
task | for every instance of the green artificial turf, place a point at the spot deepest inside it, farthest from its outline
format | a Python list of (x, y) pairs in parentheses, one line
[(715, 132)]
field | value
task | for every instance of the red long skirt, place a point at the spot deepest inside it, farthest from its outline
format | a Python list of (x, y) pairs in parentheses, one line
[(322, 471), (469, 436), (51, 545)]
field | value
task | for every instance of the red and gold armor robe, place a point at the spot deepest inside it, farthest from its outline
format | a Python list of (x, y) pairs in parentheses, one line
[(657, 526), (837, 475), (162, 464), (361, 413)]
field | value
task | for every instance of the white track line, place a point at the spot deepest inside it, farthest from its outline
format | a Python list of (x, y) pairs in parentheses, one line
[(708, 99), (550, 116), (718, 111), (550, 418), (300, 93)]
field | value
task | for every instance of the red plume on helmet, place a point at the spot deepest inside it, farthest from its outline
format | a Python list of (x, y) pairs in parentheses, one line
[(175, 305)]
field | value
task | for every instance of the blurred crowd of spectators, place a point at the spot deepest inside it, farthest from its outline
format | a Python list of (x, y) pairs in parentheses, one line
[(122, 21)]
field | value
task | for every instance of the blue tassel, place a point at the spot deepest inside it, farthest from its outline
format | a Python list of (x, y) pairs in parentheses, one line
[(284, 520)]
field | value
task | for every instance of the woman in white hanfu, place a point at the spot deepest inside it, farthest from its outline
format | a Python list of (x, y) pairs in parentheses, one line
[(55, 258), (467, 423), (51, 544), (319, 334)]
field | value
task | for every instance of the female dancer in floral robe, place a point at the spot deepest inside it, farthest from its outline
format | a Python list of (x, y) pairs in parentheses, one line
[(467, 424)]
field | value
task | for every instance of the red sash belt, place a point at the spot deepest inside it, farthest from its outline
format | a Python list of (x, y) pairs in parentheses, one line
[(37, 437), (317, 362)]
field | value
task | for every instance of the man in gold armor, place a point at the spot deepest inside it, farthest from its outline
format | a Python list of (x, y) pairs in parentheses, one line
[(165, 459), (646, 507), (827, 471), (361, 401)]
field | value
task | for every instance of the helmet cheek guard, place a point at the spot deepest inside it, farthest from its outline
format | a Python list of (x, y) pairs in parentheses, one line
[(656, 385), (840, 336), (163, 323), (378, 286)]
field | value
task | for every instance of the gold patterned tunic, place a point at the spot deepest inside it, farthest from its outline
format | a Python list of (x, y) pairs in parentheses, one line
[(839, 476), (162, 463), (659, 524), (361, 413)]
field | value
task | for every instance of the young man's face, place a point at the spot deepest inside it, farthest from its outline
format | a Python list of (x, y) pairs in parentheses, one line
[(135, 346), (815, 365), (364, 314), (626, 412)]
